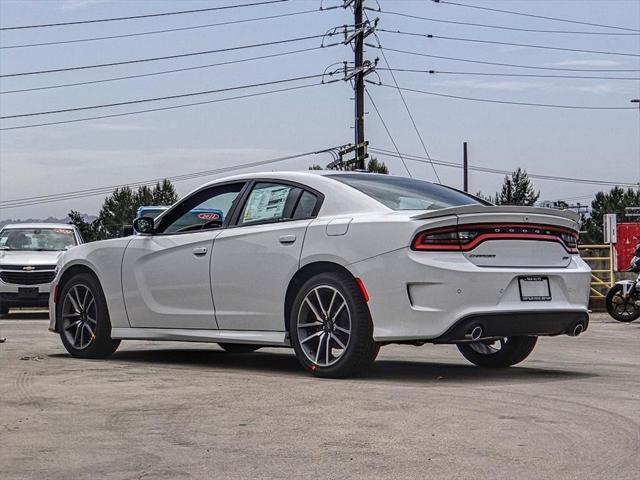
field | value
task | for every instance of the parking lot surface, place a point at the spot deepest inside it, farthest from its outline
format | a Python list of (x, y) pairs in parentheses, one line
[(175, 410)]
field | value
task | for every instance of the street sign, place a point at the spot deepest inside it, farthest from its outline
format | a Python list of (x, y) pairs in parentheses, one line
[(609, 228)]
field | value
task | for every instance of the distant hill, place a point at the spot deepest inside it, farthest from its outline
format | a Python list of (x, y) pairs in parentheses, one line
[(86, 217)]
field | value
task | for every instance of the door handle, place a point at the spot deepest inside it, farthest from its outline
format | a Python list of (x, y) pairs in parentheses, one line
[(287, 239), (200, 251)]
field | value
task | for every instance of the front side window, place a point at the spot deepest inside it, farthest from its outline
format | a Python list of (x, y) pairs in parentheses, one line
[(400, 193), (37, 239), (204, 210)]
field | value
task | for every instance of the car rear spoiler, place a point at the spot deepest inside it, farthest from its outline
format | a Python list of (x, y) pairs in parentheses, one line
[(470, 209)]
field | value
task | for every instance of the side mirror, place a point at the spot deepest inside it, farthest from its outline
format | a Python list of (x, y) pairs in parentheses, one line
[(143, 225)]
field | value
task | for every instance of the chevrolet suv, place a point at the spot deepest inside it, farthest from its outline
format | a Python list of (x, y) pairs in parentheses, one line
[(28, 256)]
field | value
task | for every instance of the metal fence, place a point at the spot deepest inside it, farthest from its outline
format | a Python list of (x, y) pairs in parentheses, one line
[(601, 260)]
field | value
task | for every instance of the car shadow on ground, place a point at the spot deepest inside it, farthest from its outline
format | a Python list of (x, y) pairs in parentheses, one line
[(285, 363)]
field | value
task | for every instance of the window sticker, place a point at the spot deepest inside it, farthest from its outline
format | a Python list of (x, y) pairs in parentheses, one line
[(63, 231), (209, 216), (266, 203)]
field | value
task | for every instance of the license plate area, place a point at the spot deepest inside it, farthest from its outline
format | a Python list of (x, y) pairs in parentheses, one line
[(534, 289), (28, 292)]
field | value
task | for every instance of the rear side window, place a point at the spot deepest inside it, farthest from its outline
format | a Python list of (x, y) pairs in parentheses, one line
[(306, 205), (269, 202), (275, 202), (400, 193)]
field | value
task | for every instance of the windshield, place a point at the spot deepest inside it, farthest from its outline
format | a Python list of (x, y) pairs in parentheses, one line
[(399, 193), (40, 239)]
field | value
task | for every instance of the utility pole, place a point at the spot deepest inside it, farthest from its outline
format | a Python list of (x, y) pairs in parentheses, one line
[(465, 168), (361, 152), (361, 68), (637, 101)]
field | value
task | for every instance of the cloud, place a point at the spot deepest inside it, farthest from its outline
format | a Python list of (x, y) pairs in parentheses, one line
[(587, 63), (505, 85), (599, 88), (116, 127), (78, 4)]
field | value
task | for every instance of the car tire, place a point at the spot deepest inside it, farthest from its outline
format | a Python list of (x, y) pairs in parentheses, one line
[(83, 318), (330, 326), (513, 350), (238, 347), (4, 310), (613, 307)]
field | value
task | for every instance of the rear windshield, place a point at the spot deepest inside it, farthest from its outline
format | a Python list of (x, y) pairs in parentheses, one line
[(399, 193), (49, 239)]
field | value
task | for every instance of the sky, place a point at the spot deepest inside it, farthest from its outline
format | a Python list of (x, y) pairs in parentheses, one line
[(594, 144)]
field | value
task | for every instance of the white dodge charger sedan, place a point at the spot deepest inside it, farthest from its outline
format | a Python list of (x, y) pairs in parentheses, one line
[(333, 264)]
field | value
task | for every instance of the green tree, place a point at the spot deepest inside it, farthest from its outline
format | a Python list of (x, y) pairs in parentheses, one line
[(120, 208), (89, 230), (615, 201), (164, 193), (517, 190), (374, 166)]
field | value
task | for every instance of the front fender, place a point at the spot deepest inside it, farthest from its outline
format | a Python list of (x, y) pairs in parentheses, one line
[(627, 286), (104, 259)]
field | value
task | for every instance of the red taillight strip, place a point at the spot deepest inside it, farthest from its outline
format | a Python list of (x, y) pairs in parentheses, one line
[(418, 244)]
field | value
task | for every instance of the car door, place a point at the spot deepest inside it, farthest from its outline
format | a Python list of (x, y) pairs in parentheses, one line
[(165, 275), (255, 258)]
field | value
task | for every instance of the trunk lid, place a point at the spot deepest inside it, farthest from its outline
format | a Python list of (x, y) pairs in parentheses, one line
[(513, 237)]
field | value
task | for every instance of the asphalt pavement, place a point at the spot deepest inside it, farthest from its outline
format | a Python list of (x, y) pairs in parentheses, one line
[(182, 410)]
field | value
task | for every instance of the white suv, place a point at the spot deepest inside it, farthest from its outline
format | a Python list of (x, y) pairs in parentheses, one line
[(28, 256)]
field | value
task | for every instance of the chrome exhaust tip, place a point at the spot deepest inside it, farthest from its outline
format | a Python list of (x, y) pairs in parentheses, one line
[(474, 334), (578, 329)]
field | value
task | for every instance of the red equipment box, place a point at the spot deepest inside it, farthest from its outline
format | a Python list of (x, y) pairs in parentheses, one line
[(628, 237)]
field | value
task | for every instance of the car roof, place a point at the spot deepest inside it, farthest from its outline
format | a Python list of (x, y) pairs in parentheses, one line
[(38, 225), (313, 178)]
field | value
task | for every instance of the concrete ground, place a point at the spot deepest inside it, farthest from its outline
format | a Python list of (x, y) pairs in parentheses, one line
[(170, 410)]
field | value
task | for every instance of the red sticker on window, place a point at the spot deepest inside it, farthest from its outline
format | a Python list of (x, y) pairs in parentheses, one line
[(209, 216)]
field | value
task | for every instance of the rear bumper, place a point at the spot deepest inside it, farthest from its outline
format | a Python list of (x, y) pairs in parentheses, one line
[(510, 324), (424, 295)]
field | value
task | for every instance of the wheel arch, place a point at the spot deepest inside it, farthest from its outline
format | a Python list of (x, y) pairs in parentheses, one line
[(301, 276), (68, 273)]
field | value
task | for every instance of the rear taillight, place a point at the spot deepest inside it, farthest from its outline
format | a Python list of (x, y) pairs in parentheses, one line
[(468, 237), (439, 239)]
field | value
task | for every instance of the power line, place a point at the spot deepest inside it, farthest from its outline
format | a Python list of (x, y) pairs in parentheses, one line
[(71, 195), (163, 72), (493, 42), (135, 17), (384, 124), (502, 27), (557, 178), (159, 109), (167, 57), (167, 97), (532, 67), (406, 106), (523, 14), (445, 72), (486, 100), (154, 32)]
